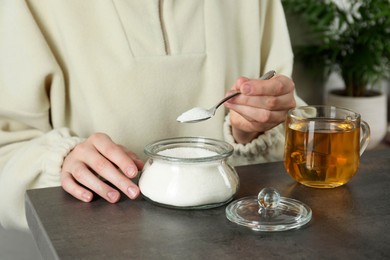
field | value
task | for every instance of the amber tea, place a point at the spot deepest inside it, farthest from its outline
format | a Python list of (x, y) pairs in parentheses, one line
[(322, 152)]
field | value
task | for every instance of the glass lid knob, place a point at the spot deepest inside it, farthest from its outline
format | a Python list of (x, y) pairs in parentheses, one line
[(268, 198), (268, 211)]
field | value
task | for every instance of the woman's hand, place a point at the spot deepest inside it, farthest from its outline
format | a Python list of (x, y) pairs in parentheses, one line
[(96, 157), (262, 105)]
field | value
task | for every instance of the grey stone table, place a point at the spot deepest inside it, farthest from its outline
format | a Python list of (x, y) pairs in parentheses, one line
[(349, 222)]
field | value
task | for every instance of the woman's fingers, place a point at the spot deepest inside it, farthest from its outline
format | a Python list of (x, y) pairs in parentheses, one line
[(80, 173), (260, 115), (253, 123), (282, 102), (138, 162), (114, 153), (262, 105), (69, 185), (276, 86), (274, 94), (100, 156)]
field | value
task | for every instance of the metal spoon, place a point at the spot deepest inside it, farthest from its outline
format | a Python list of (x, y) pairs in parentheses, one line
[(198, 114)]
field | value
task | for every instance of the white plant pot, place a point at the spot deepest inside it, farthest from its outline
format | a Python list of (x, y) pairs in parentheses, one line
[(372, 109)]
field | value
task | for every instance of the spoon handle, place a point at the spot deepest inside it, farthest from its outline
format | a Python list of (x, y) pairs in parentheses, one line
[(227, 98), (266, 76)]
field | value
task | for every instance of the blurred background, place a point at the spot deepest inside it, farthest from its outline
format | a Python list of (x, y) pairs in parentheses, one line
[(342, 57), (322, 30), (17, 245)]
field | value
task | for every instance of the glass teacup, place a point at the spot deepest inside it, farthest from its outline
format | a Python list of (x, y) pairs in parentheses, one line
[(324, 144)]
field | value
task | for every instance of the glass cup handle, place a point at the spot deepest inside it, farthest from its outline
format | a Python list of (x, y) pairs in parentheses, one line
[(365, 136)]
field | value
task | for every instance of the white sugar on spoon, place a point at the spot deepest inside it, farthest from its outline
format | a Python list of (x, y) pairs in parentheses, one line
[(198, 114)]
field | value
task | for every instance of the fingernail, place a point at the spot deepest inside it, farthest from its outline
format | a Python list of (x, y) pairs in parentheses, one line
[(131, 171), (113, 195), (86, 197), (133, 192), (246, 88)]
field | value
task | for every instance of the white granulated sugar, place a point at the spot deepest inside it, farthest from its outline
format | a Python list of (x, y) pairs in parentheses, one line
[(194, 114), (187, 152), (187, 184)]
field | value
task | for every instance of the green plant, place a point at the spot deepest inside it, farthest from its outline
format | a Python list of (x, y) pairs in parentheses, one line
[(352, 39)]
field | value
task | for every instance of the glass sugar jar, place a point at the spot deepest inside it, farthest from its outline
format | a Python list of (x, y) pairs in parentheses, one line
[(188, 173)]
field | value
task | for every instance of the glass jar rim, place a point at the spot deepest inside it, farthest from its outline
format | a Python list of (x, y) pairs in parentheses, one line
[(222, 148)]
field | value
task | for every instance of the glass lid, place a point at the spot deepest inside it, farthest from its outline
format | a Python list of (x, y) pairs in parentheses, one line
[(268, 212)]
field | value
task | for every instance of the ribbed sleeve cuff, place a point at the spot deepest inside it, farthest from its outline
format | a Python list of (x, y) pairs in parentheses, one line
[(265, 148), (61, 143)]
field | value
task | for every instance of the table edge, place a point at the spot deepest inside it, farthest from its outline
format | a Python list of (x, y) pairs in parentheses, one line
[(38, 231)]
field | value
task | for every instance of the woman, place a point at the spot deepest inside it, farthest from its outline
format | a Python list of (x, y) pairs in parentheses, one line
[(85, 85)]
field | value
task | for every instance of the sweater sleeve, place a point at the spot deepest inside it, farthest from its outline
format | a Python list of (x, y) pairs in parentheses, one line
[(31, 151), (267, 147), (276, 50), (276, 54), (35, 163)]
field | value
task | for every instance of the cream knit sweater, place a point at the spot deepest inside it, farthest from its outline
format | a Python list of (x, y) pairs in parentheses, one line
[(127, 68)]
